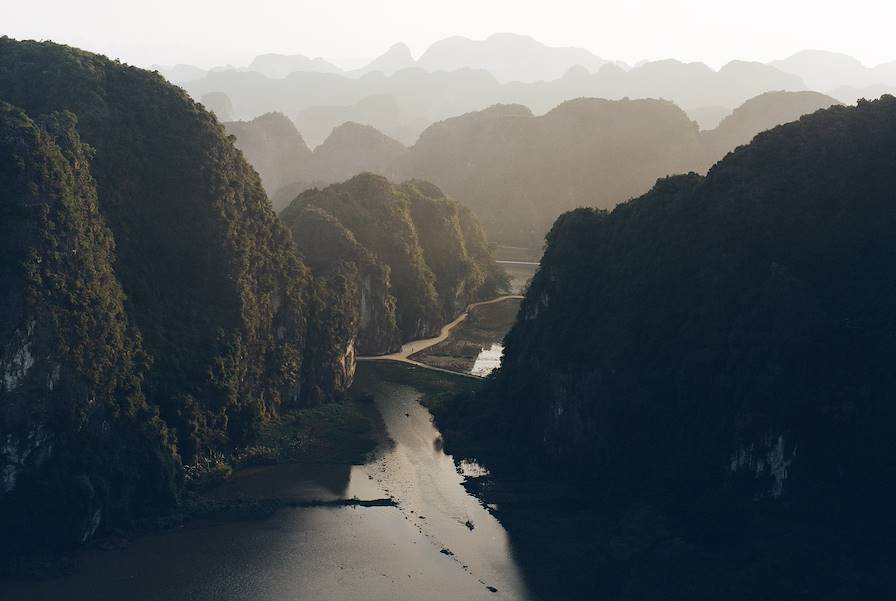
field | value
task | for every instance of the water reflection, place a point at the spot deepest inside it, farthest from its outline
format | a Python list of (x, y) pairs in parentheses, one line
[(300, 482), (437, 543), (488, 360)]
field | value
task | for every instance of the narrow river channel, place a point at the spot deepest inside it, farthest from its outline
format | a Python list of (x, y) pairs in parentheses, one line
[(438, 542)]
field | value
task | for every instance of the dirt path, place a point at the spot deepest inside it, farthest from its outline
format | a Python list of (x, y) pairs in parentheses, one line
[(415, 346)]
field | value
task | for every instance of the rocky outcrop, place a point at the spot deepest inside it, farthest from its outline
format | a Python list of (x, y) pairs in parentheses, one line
[(156, 316), (331, 251), (72, 365), (437, 221), (378, 217)]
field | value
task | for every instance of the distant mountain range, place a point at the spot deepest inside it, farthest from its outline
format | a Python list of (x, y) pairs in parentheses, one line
[(515, 170), (402, 96), (510, 57), (405, 103)]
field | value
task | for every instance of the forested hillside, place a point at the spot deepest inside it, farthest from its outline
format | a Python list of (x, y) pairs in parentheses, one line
[(177, 291), (728, 334), (712, 361), (423, 250), (518, 171), (76, 426)]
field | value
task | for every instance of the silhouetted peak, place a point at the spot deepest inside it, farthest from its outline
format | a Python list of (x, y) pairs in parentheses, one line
[(396, 58), (577, 72), (351, 132)]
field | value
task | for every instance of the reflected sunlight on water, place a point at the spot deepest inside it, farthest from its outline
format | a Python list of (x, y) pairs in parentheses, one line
[(488, 360)]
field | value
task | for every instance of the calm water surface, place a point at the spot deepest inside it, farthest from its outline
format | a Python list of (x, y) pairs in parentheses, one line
[(438, 543), (488, 360)]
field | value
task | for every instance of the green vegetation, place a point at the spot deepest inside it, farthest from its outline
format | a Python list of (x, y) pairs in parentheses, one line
[(330, 250), (80, 442), (718, 351), (518, 171), (335, 432), (486, 325), (158, 317), (416, 251)]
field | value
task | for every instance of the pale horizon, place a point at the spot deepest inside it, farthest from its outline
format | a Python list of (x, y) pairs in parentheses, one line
[(350, 33)]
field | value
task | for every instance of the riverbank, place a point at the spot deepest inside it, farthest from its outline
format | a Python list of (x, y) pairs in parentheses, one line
[(485, 326), (400, 526), (310, 458)]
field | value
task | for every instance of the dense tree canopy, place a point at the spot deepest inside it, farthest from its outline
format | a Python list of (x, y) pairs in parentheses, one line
[(721, 322), (430, 251), (201, 316)]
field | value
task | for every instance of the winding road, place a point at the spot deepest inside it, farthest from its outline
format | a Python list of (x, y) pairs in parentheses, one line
[(415, 346)]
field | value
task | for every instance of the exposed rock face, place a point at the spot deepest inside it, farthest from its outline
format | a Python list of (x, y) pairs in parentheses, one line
[(204, 322), (437, 222), (726, 333), (72, 366), (331, 251), (378, 216)]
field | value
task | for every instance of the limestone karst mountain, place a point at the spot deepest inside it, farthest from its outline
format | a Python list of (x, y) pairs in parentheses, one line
[(396, 58), (195, 330), (381, 111), (419, 253), (517, 171), (278, 66), (759, 114), (824, 71), (744, 308), (509, 57), (219, 104), (273, 145), (351, 149)]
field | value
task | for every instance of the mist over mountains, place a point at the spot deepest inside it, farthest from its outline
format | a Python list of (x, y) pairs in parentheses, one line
[(401, 96), (517, 170)]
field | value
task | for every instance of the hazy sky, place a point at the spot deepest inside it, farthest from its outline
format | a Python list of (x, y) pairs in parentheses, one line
[(215, 32)]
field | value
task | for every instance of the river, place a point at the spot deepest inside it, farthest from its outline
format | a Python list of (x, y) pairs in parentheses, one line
[(437, 542)]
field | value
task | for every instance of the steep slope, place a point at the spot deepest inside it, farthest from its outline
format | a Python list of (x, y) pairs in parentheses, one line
[(279, 66), (728, 337), (437, 222), (396, 58), (80, 445), (824, 71), (759, 114), (219, 104), (351, 149), (331, 251), (405, 239), (509, 57), (378, 216), (517, 172), (424, 97), (273, 145), (381, 111), (285, 195), (212, 279)]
